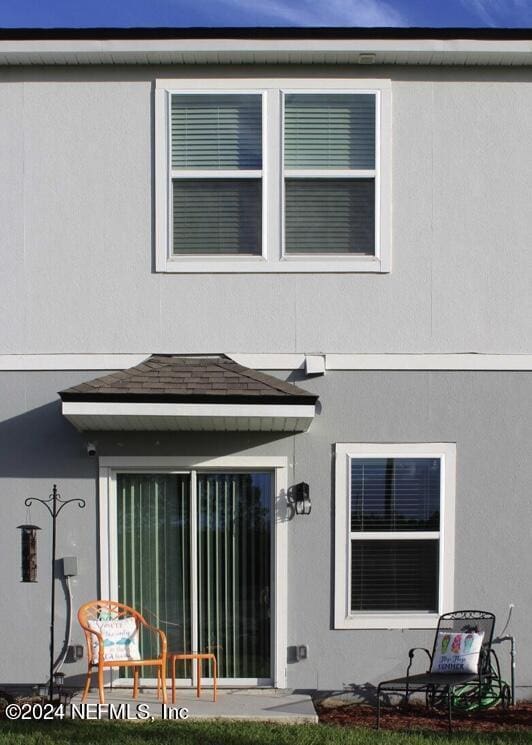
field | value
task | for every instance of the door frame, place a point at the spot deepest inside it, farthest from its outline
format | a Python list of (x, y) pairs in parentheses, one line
[(109, 466)]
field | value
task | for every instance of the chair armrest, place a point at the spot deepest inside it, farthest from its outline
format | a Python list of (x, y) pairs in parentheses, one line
[(99, 636), (411, 653)]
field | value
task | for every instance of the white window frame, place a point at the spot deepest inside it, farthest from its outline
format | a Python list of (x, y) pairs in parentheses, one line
[(338, 173), (110, 466), (273, 259), (212, 173), (344, 618)]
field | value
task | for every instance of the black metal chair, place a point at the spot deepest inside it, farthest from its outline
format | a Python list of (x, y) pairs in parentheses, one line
[(455, 690)]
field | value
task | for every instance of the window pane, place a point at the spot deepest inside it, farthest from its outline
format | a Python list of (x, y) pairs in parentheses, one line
[(216, 216), (153, 557), (234, 583), (395, 494), (330, 216), (394, 575), (330, 131), (217, 131)]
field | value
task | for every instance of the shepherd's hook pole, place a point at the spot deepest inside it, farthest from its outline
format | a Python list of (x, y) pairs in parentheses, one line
[(54, 504)]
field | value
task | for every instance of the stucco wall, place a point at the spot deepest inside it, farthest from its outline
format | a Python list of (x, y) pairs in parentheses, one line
[(77, 226), (484, 413)]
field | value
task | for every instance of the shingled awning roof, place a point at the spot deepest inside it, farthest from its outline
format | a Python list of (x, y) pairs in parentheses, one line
[(172, 392)]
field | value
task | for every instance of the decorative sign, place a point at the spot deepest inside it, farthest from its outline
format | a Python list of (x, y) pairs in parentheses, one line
[(457, 653)]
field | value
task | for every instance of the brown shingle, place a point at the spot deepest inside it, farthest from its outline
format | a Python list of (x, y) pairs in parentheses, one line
[(172, 377)]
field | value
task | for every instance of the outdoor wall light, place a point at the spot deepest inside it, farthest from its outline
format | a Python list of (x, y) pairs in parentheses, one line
[(302, 501), (29, 552)]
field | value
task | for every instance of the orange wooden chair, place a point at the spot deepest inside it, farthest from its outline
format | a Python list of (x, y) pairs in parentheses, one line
[(100, 611)]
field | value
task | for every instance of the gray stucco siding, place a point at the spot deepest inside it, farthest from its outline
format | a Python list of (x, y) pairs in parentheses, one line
[(485, 413), (78, 225), (487, 416)]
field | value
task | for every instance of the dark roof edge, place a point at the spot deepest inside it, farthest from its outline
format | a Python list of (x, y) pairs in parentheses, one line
[(263, 32), (221, 398)]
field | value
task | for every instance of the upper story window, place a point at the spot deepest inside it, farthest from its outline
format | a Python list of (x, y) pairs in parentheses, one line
[(329, 174), (273, 179), (216, 172)]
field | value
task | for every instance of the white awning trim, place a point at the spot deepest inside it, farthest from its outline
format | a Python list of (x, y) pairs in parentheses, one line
[(96, 416)]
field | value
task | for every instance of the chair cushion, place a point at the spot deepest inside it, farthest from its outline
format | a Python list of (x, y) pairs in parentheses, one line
[(457, 652), (120, 639)]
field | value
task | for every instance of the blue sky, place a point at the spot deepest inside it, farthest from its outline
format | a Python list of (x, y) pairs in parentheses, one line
[(42, 13)]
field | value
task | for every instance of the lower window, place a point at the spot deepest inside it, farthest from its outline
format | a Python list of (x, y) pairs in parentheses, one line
[(394, 534)]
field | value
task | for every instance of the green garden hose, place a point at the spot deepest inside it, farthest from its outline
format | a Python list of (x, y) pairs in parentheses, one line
[(493, 692)]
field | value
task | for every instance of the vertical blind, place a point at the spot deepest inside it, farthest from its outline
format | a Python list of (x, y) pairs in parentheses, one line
[(326, 215), (329, 131), (153, 523), (232, 565), (216, 216), (234, 525), (394, 495)]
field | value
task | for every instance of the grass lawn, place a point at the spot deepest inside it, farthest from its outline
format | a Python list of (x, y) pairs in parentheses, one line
[(231, 733)]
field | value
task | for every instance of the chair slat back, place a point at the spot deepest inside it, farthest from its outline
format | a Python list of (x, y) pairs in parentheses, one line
[(476, 621), (103, 610), (98, 610)]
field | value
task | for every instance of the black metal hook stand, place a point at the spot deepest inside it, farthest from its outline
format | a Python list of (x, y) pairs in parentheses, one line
[(54, 504)]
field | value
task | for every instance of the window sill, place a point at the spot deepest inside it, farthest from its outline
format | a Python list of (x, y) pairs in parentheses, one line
[(258, 265), (391, 621)]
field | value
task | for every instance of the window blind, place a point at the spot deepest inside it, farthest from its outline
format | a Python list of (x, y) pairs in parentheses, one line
[(394, 575), (216, 131), (217, 216), (153, 527), (234, 529), (329, 131), (395, 494), (329, 216), (392, 496)]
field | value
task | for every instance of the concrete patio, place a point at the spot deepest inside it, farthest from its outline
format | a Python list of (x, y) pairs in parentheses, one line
[(260, 705)]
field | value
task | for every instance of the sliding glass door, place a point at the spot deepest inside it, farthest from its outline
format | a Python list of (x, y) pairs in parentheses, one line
[(153, 553), (234, 513), (194, 557)]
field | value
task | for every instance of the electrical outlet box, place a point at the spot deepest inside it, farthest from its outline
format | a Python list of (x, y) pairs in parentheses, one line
[(297, 653), (74, 653), (70, 566)]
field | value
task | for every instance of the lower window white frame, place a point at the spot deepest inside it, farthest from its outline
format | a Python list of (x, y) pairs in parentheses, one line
[(108, 579), (344, 618)]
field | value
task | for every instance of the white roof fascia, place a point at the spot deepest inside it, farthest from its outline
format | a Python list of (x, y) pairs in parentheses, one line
[(227, 50)]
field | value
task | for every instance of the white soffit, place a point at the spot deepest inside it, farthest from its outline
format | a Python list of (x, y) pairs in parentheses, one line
[(96, 416), (409, 51)]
